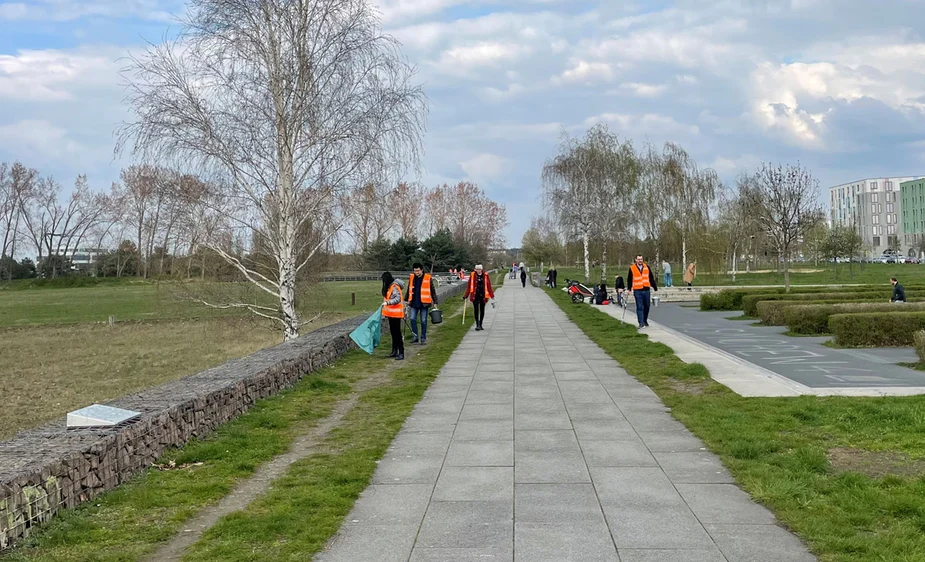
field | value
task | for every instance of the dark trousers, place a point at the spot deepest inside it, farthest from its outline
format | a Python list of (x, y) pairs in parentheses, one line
[(523, 279), (642, 306), (478, 310), (398, 344)]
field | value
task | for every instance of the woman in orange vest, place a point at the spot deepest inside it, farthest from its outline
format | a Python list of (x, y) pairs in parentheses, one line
[(421, 295), (393, 308), (479, 291), (641, 282)]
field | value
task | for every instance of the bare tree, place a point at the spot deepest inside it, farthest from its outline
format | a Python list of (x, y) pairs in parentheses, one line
[(290, 105), (409, 201), (690, 192), (783, 201), (651, 203), (587, 174), (16, 189)]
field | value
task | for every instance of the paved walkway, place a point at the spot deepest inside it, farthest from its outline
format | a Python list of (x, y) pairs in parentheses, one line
[(762, 361), (533, 445)]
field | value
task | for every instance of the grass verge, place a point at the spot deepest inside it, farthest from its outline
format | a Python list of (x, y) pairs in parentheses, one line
[(133, 520), (306, 507), (846, 474)]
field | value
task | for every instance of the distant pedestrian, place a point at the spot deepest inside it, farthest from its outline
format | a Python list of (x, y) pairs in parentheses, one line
[(479, 292), (666, 268), (641, 281), (690, 273), (394, 310), (523, 276), (555, 277), (421, 295), (620, 287), (899, 293)]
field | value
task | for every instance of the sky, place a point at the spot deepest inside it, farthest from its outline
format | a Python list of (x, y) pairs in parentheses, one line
[(837, 85)]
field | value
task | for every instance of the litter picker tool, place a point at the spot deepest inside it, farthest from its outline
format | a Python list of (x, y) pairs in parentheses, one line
[(465, 302)]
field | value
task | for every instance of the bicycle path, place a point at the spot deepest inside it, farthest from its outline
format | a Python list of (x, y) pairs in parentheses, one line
[(534, 445)]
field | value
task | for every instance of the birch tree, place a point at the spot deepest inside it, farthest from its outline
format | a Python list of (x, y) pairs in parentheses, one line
[(290, 104), (651, 203), (783, 200), (690, 192)]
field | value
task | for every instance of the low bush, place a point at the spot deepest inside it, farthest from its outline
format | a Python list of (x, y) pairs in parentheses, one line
[(731, 299), (813, 317), (876, 329), (750, 302), (919, 344)]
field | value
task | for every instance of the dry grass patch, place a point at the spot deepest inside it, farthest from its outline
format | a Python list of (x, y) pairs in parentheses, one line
[(51, 370), (875, 464)]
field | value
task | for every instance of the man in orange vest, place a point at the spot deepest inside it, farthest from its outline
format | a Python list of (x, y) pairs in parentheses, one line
[(479, 291), (421, 295), (641, 282)]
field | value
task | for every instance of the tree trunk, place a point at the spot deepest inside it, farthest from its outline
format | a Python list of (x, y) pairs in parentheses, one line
[(786, 270), (735, 262), (604, 264), (585, 239)]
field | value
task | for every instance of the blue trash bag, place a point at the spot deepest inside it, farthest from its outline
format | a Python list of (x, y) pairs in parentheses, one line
[(369, 333)]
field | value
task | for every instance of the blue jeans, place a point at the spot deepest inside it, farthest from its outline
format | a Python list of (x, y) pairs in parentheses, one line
[(422, 314), (642, 306), (668, 279)]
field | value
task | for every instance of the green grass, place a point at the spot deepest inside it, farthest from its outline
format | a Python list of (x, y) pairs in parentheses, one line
[(303, 509), (801, 274), (155, 301), (779, 449)]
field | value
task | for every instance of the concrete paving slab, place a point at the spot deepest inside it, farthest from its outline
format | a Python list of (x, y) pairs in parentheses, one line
[(724, 504), (474, 483), (496, 412), (599, 430), (467, 525), (391, 543), (664, 527), (661, 555), (481, 453), (408, 470), (542, 420), (758, 543), (542, 468), (563, 542), (617, 453), (556, 503), (462, 555), (700, 467), (391, 504), (637, 487), (484, 430), (550, 441)]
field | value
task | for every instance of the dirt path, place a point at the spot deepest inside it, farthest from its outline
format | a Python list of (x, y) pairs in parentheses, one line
[(303, 446)]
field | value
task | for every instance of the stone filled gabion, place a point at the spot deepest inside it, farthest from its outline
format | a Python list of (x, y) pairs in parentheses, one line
[(48, 468)]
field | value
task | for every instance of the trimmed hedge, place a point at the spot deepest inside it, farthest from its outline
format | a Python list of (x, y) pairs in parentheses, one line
[(919, 345), (773, 312), (876, 329), (731, 299), (750, 302), (813, 318)]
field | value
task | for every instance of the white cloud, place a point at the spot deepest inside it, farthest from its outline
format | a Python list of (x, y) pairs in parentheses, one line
[(485, 167), (30, 139), (53, 75), (480, 54), (646, 124), (585, 72), (643, 90)]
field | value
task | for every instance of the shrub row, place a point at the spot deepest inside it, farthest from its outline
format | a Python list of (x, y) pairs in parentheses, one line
[(876, 329), (731, 299), (919, 345), (750, 302), (774, 312), (814, 318)]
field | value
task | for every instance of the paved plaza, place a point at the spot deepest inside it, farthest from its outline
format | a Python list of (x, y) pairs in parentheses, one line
[(534, 445)]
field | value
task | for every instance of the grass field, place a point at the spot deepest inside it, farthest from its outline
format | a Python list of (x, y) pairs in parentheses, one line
[(822, 274), (59, 353), (846, 474)]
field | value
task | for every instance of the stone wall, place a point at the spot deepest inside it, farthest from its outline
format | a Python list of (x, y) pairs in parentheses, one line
[(50, 467)]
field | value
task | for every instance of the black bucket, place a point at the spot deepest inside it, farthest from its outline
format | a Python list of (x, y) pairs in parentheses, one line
[(436, 316)]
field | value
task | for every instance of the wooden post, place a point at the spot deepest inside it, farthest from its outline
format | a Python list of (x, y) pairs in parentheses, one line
[(353, 299)]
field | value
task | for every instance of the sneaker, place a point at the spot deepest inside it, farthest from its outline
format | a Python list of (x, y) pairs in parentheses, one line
[(646, 324), (414, 339), (400, 357), (423, 342), (641, 326)]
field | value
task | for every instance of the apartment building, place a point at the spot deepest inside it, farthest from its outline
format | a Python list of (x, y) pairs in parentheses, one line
[(912, 199), (872, 206)]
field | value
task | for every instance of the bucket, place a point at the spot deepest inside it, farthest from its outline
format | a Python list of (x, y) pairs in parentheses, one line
[(436, 316)]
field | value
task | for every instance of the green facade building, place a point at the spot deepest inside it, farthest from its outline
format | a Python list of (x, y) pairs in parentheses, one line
[(912, 205)]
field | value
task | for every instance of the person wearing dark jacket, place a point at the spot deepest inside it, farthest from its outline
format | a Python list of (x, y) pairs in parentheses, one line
[(619, 286), (394, 310), (523, 276), (421, 295), (899, 293), (555, 276), (641, 282), (479, 292)]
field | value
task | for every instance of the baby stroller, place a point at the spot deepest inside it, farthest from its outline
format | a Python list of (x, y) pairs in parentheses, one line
[(578, 291)]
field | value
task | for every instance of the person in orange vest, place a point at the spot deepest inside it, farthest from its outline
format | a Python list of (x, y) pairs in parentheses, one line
[(479, 292), (393, 308), (641, 282), (421, 295)]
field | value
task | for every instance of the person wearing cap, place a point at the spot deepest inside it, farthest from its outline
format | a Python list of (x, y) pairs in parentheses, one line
[(479, 292), (421, 295)]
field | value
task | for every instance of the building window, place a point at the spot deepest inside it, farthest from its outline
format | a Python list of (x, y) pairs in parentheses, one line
[(873, 198), (875, 219), (891, 229), (889, 207), (873, 209), (876, 240), (888, 185), (873, 186)]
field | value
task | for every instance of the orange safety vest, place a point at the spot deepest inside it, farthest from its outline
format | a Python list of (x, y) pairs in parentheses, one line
[(426, 296), (393, 310), (641, 280)]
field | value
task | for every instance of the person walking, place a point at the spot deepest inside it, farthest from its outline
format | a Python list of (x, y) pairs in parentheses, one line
[(421, 295), (641, 282), (523, 276), (619, 286), (899, 293), (690, 273), (666, 267), (479, 292), (394, 310), (555, 276)]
